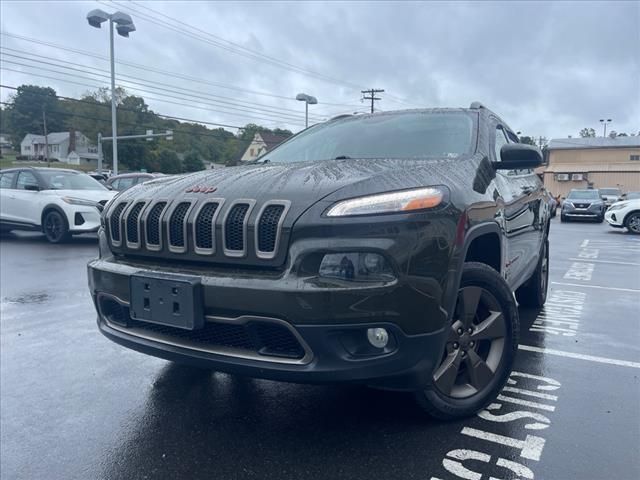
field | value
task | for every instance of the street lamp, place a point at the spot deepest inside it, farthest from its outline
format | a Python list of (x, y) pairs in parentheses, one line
[(124, 26), (308, 100), (604, 123)]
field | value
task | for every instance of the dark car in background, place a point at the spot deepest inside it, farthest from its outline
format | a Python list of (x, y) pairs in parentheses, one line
[(583, 205), (379, 249), (610, 195), (128, 180)]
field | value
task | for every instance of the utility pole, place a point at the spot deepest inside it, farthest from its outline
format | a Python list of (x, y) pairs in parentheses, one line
[(372, 95), (46, 139)]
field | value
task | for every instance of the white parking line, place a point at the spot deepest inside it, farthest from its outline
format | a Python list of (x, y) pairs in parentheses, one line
[(604, 261), (580, 356), (598, 286)]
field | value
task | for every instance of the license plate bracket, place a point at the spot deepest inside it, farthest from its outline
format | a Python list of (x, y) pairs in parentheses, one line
[(167, 300)]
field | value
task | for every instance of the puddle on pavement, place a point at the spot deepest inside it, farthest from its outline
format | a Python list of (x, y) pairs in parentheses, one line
[(28, 299)]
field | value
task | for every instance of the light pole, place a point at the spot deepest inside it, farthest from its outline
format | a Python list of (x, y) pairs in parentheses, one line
[(605, 123), (124, 26), (308, 100)]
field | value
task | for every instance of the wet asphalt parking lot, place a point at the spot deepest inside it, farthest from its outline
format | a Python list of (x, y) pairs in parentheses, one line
[(73, 405)]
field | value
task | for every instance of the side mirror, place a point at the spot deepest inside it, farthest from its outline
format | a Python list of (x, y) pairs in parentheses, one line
[(31, 187), (516, 156)]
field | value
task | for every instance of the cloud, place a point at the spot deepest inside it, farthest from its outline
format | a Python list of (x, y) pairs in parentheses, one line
[(547, 68)]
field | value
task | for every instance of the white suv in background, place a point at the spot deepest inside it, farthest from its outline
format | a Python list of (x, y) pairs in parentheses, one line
[(625, 214), (57, 202)]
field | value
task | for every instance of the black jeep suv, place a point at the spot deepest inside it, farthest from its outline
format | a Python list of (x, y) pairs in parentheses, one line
[(382, 249)]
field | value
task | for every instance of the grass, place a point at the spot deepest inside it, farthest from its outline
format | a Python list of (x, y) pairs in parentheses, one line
[(9, 161)]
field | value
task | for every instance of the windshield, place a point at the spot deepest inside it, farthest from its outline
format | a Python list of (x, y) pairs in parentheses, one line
[(399, 135), (584, 195), (610, 191), (632, 195), (57, 180)]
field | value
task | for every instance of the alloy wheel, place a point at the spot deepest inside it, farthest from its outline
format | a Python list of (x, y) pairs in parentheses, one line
[(633, 223), (53, 227), (475, 344)]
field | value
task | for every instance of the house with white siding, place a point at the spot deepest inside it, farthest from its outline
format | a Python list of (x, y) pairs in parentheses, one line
[(68, 147)]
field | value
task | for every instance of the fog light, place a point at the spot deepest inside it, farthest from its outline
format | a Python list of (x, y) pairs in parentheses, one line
[(378, 337)]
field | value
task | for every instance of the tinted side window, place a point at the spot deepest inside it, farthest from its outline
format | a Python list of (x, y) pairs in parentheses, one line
[(501, 140), (124, 183), (26, 178), (6, 179)]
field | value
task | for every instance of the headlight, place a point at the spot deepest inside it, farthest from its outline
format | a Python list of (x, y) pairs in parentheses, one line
[(617, 206), (568, 204), (79, 201), (356, 267), (403, 201)]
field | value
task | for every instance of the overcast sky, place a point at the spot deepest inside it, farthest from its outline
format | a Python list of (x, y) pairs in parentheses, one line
[(547, 68)]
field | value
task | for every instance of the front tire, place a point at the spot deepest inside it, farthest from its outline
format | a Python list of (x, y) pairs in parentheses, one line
[(55, 227), (632, 223), (563, 218), (480, 348), (533, 293)]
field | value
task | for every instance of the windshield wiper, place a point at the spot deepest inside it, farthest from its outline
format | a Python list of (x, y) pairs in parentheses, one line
[(343, 157)]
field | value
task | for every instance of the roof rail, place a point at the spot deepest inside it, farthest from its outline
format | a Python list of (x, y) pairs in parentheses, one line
[(476, 105), (342, 115)]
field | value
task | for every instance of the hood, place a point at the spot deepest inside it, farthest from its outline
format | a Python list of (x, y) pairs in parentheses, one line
[(92, 195), (305, 183)]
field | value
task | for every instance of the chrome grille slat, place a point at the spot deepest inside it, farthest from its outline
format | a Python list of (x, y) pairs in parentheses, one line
[(268, 228), (234, 228), (204, 226), (152, 225), (132, 225), (115, 229), (177, 227)]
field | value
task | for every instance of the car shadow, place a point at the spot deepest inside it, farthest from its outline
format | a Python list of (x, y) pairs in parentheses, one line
[(199, 424), (37, 237)]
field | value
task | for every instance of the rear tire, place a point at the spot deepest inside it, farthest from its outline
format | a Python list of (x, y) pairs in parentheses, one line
[(55, 227), (533, 294), (632, 223), (477, 362)]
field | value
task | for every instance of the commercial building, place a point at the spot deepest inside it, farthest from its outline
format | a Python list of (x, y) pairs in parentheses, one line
[(592, 163)]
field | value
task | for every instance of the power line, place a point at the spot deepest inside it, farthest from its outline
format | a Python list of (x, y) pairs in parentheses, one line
[(169, 117), (254, 106), (372, 95), (163, 100), (231, 47), (147, 68)]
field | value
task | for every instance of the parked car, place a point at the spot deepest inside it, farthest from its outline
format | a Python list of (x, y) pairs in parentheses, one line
[(58, 202), (630, 196), (625, 214), (379, 249), (610, 195), (128, 180), (583, 205)]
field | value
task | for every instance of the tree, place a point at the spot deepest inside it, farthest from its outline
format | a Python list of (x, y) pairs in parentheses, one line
[(527, 140), (24, 115), (587, 132), (168, 161), (192, 162)]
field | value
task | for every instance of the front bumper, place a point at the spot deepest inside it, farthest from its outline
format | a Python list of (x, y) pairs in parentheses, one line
[(614, 218), (82, 219), (329, 324)]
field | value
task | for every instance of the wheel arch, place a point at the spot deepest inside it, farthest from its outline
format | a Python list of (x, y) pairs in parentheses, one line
[(52, 207), (491, 232)]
